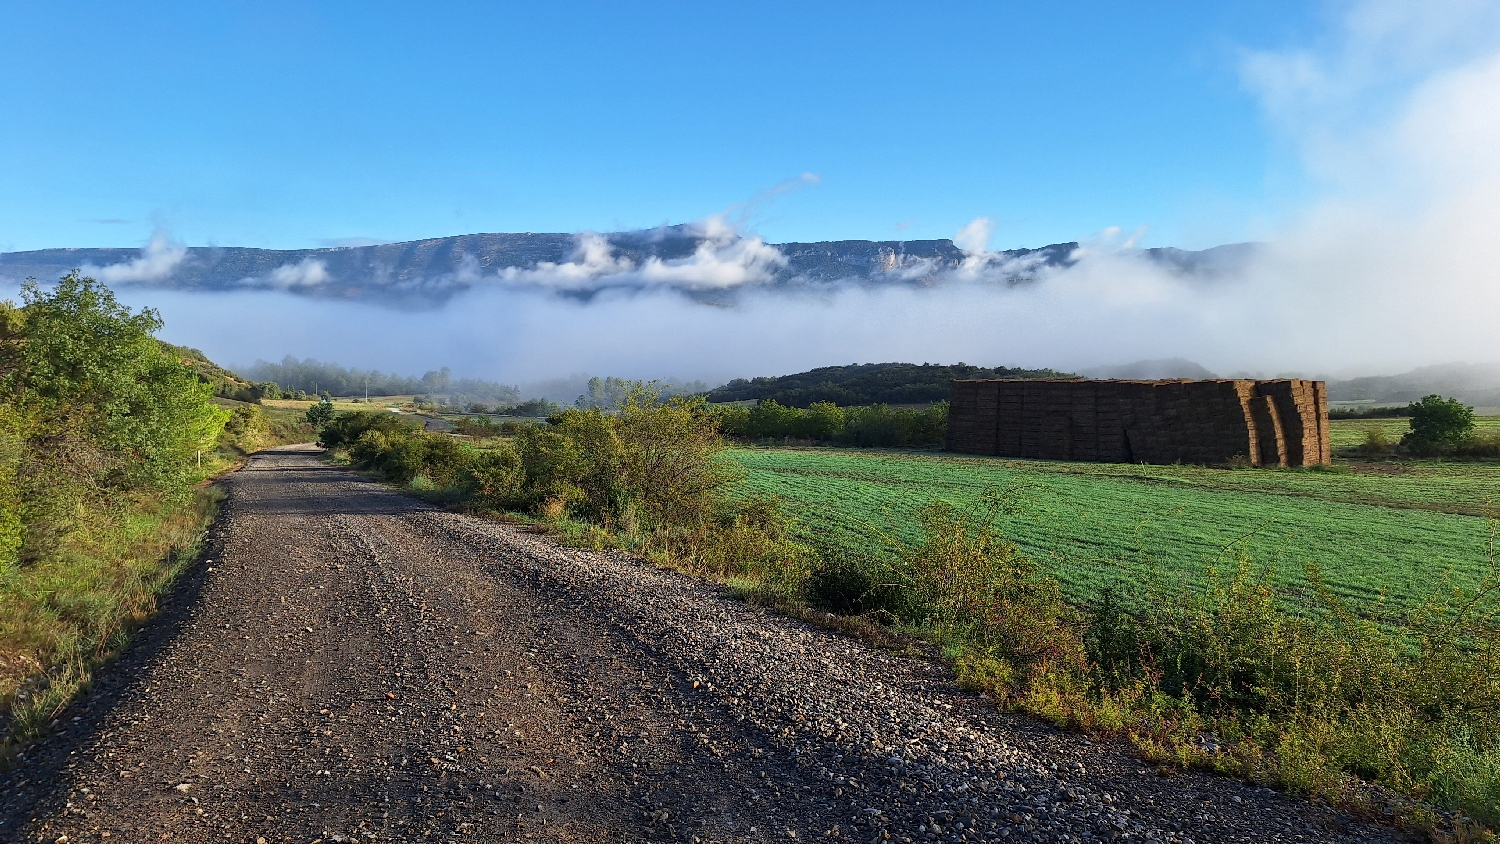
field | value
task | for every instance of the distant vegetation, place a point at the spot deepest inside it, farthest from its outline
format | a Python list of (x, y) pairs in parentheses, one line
[(866, 384), (226, 384), (610, 393), (105, 434), (876, 426), (316, 377), (1379, 412)]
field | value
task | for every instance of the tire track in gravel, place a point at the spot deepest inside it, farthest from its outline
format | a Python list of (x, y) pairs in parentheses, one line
[(349, 664)]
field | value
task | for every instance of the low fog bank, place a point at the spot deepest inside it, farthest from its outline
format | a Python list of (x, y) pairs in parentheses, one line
[(1082, 320)]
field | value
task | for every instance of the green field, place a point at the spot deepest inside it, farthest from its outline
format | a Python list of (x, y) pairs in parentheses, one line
[(1371, 528), (1343, 433)]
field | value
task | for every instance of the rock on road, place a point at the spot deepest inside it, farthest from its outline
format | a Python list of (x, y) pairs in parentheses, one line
[(351, 664)]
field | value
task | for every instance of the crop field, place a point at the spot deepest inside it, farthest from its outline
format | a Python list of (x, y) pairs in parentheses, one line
[(1383, 535), (1343, 433)]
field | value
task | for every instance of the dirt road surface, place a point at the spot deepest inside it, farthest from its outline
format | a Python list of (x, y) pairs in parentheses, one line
[(350, 664)]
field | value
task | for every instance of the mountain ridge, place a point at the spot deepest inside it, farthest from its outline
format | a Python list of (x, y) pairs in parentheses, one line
[(435, 268)]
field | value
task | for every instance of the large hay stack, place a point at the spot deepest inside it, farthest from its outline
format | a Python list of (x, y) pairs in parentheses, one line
[(1266, 423)]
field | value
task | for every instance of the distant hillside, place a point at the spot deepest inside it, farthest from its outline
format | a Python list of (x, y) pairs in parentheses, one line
[(1476, 384), (868, 383), (226, 384), (1151, 370), (430, 271)]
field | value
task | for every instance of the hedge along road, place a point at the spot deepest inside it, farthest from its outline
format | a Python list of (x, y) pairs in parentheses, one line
[(351, 664)]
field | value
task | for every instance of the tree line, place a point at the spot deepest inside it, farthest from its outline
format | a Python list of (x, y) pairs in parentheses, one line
[(316, 377), (867, 384)]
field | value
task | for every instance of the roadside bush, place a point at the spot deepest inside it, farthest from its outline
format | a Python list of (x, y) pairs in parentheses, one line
[(575, 461), (749, 539), (670, 467), (346, 428), (497, 476), (406, 454)]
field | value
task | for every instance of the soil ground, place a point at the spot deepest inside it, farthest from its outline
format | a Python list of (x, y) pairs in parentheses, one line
[(350, 664)]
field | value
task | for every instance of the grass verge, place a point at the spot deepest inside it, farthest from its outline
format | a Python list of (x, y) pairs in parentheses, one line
[(63, 617)]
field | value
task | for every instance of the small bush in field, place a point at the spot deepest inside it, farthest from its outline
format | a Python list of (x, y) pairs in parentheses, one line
[(1376, 443), (1438, 425)]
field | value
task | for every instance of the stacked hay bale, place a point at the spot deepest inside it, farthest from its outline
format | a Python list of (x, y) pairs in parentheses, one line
[(1266, 423)]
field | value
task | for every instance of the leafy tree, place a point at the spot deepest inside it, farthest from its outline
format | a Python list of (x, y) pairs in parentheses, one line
[(320, 414), (823, 420), (1438, 424), (346, 428), (770, 419), (99, 384)]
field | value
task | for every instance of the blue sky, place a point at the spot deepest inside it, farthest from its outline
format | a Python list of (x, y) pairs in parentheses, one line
[(297, 125)]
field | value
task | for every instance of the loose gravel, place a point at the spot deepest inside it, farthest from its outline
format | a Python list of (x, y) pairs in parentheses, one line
[(349, 664)]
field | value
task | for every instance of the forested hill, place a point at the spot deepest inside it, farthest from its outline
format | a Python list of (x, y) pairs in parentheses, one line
[(867, 383)]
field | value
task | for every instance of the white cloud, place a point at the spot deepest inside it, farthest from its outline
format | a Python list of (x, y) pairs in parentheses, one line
[(305, 274), (974, 238), (160, 257), (722, 259)]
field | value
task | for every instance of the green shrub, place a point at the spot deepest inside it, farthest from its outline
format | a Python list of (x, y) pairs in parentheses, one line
[(321, 413), (1438, 425), (670, 468), (497, 476), (749, 539), (346, 428), (1376, 443)]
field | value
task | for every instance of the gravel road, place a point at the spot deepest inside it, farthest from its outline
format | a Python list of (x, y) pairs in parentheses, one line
[(350, 664)]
